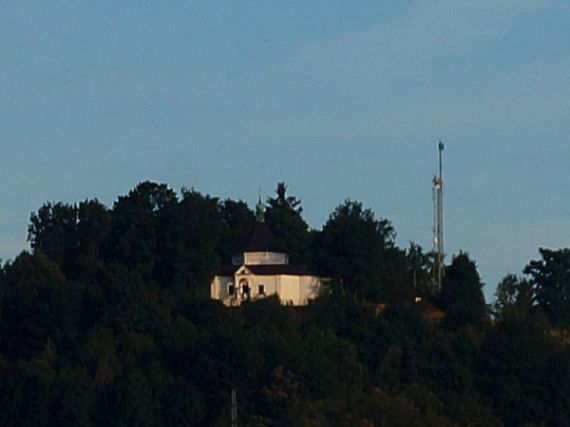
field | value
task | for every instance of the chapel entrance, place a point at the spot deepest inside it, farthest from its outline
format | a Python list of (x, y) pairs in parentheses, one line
[(244, 289)]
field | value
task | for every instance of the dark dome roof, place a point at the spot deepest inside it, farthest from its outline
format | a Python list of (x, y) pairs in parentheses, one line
[(262, 239)]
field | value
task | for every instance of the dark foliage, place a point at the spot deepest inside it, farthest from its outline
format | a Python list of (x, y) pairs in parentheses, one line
[(284, 217), (550, 284), (462, 294), (108, 323)]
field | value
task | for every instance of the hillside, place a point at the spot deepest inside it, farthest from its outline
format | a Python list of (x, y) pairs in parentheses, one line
[(107, 322)]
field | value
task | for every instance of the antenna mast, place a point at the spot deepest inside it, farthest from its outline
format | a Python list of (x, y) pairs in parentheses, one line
[(438, 222)]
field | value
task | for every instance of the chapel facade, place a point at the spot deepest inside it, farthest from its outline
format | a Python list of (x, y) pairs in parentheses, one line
[(263, 269)]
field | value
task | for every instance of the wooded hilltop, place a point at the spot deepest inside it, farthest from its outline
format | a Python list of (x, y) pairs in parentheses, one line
[(108, 322)]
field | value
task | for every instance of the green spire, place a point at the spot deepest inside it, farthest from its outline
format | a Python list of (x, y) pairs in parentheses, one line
[(260, 210)]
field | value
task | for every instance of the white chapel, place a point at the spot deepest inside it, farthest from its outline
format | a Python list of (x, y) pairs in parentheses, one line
[(263, 269)]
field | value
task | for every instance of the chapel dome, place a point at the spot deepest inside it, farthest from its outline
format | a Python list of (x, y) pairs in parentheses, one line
[(261, 248), (262, 239)]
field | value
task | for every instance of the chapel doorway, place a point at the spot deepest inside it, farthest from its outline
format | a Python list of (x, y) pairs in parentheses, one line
[(244, 290)]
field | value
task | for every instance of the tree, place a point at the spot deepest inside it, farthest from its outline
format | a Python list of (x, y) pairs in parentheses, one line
[(359, 250), (462, 295), (284, 217), (38, 305), (26, 392), (331, 368), (94, 223), (349, 318), (550, 284), (134, 236), (238, 221), (202, 227), (53, 230), (70, 235), (517, 372), (419, 266), (513, 298), (74, 393), (136, 401)]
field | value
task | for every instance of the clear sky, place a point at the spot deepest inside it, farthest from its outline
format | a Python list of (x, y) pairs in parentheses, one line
[(339, 99)]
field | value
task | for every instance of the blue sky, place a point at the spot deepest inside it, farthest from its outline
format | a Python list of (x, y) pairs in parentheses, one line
[(338, 99)]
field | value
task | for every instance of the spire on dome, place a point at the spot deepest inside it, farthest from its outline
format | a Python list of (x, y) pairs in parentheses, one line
[(260, 210)]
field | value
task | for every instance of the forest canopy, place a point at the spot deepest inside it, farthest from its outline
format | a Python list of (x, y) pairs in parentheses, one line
[(107, 321)]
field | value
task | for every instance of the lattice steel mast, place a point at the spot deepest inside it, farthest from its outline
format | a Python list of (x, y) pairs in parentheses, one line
[(438, 249)]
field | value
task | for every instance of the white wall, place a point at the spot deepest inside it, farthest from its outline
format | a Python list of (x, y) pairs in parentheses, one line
[(219, 287), (297, 290), (256, 258), (269, 283), (289, 289), (310, 288)]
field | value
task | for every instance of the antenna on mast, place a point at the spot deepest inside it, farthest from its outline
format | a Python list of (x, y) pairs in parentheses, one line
[(438, 223)]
